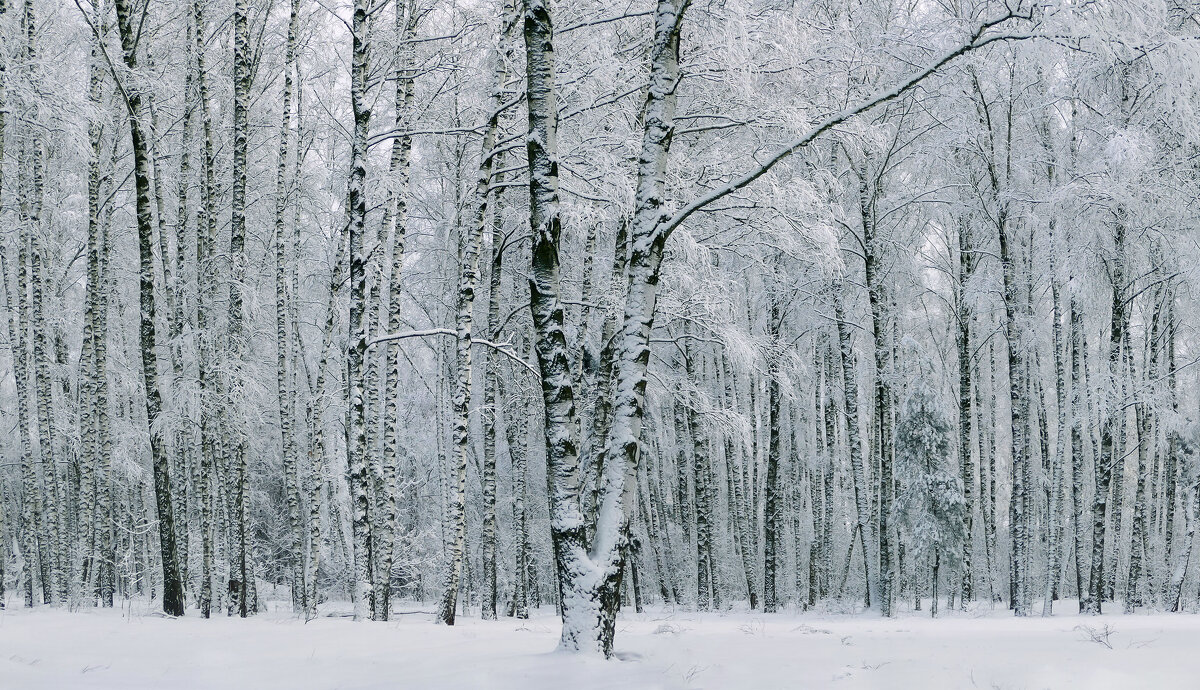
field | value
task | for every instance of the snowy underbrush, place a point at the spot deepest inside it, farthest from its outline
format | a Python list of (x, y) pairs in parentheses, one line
[(134, 648)]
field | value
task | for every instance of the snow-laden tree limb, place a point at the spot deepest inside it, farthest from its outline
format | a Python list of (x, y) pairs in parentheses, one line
[(502, 348), (974, 42)]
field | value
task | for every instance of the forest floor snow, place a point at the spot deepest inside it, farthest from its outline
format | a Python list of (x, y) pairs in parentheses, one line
[(134, 649)]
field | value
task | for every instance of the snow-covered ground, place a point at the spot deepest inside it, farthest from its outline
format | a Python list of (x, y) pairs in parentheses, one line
[(132, 648)]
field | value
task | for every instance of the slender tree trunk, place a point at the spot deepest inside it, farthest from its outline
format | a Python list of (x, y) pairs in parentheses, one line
[(1019, 407), (1057, 472), (517, 435), (701, 453), (1171, 488), (283, 379), (1145, 424), (738, 496), (1078, 414), (31, 513), (1117, 470), (8, 304), (774, 509), (1108, 449), (237, 334), (500, 93), (829, 417), (52, 526), (396, 221), (1191, 506), (179, 448), (966, 270), (468, 279), (206, 230), (172, 587), (89, 414), (853, 439), (882, 448)]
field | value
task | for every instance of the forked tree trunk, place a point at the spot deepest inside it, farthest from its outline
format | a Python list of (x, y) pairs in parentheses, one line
[(853, 439)]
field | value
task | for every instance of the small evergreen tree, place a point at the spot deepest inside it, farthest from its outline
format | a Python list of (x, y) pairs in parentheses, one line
[(930, 501)]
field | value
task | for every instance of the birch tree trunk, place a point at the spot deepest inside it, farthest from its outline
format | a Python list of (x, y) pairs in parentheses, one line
[(853, 439), (1054, 548), (1191, 507), (1134, 591), (966, 269), (468, 279), (357, 206), (1108, 449), (283, 380), (774, 508), (706, 581), (491, 412), (8, 325), (1019, 407), (179, 448), (517, 435), (738, 495), (89, 431), (318, 457), (396, 216), (583, 625), (172, 587), (877, 296), (1170, 595), (1078, 415), (500, 91), (647, 239), (206, 230), (237, 335), (52, 553), (31, 513), (830, 441)]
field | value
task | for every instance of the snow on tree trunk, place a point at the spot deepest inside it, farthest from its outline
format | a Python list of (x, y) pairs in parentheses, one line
[(1108, 449), (396, 220), (172, 587), (357, 347), (774, 507), (966, 269), (578, 575), (468, 280), (1057, 472), (1144, 413), (206, 230), (500, 94), (237, 332), (738, 495), (1019, 407), (1171, 488), (283, 381), (89, 431), (706, 580), (854, 441), (517, 436), (31, 513), (882, 449)]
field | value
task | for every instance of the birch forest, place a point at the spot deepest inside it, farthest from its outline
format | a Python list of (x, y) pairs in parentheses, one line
[(478, 308)]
